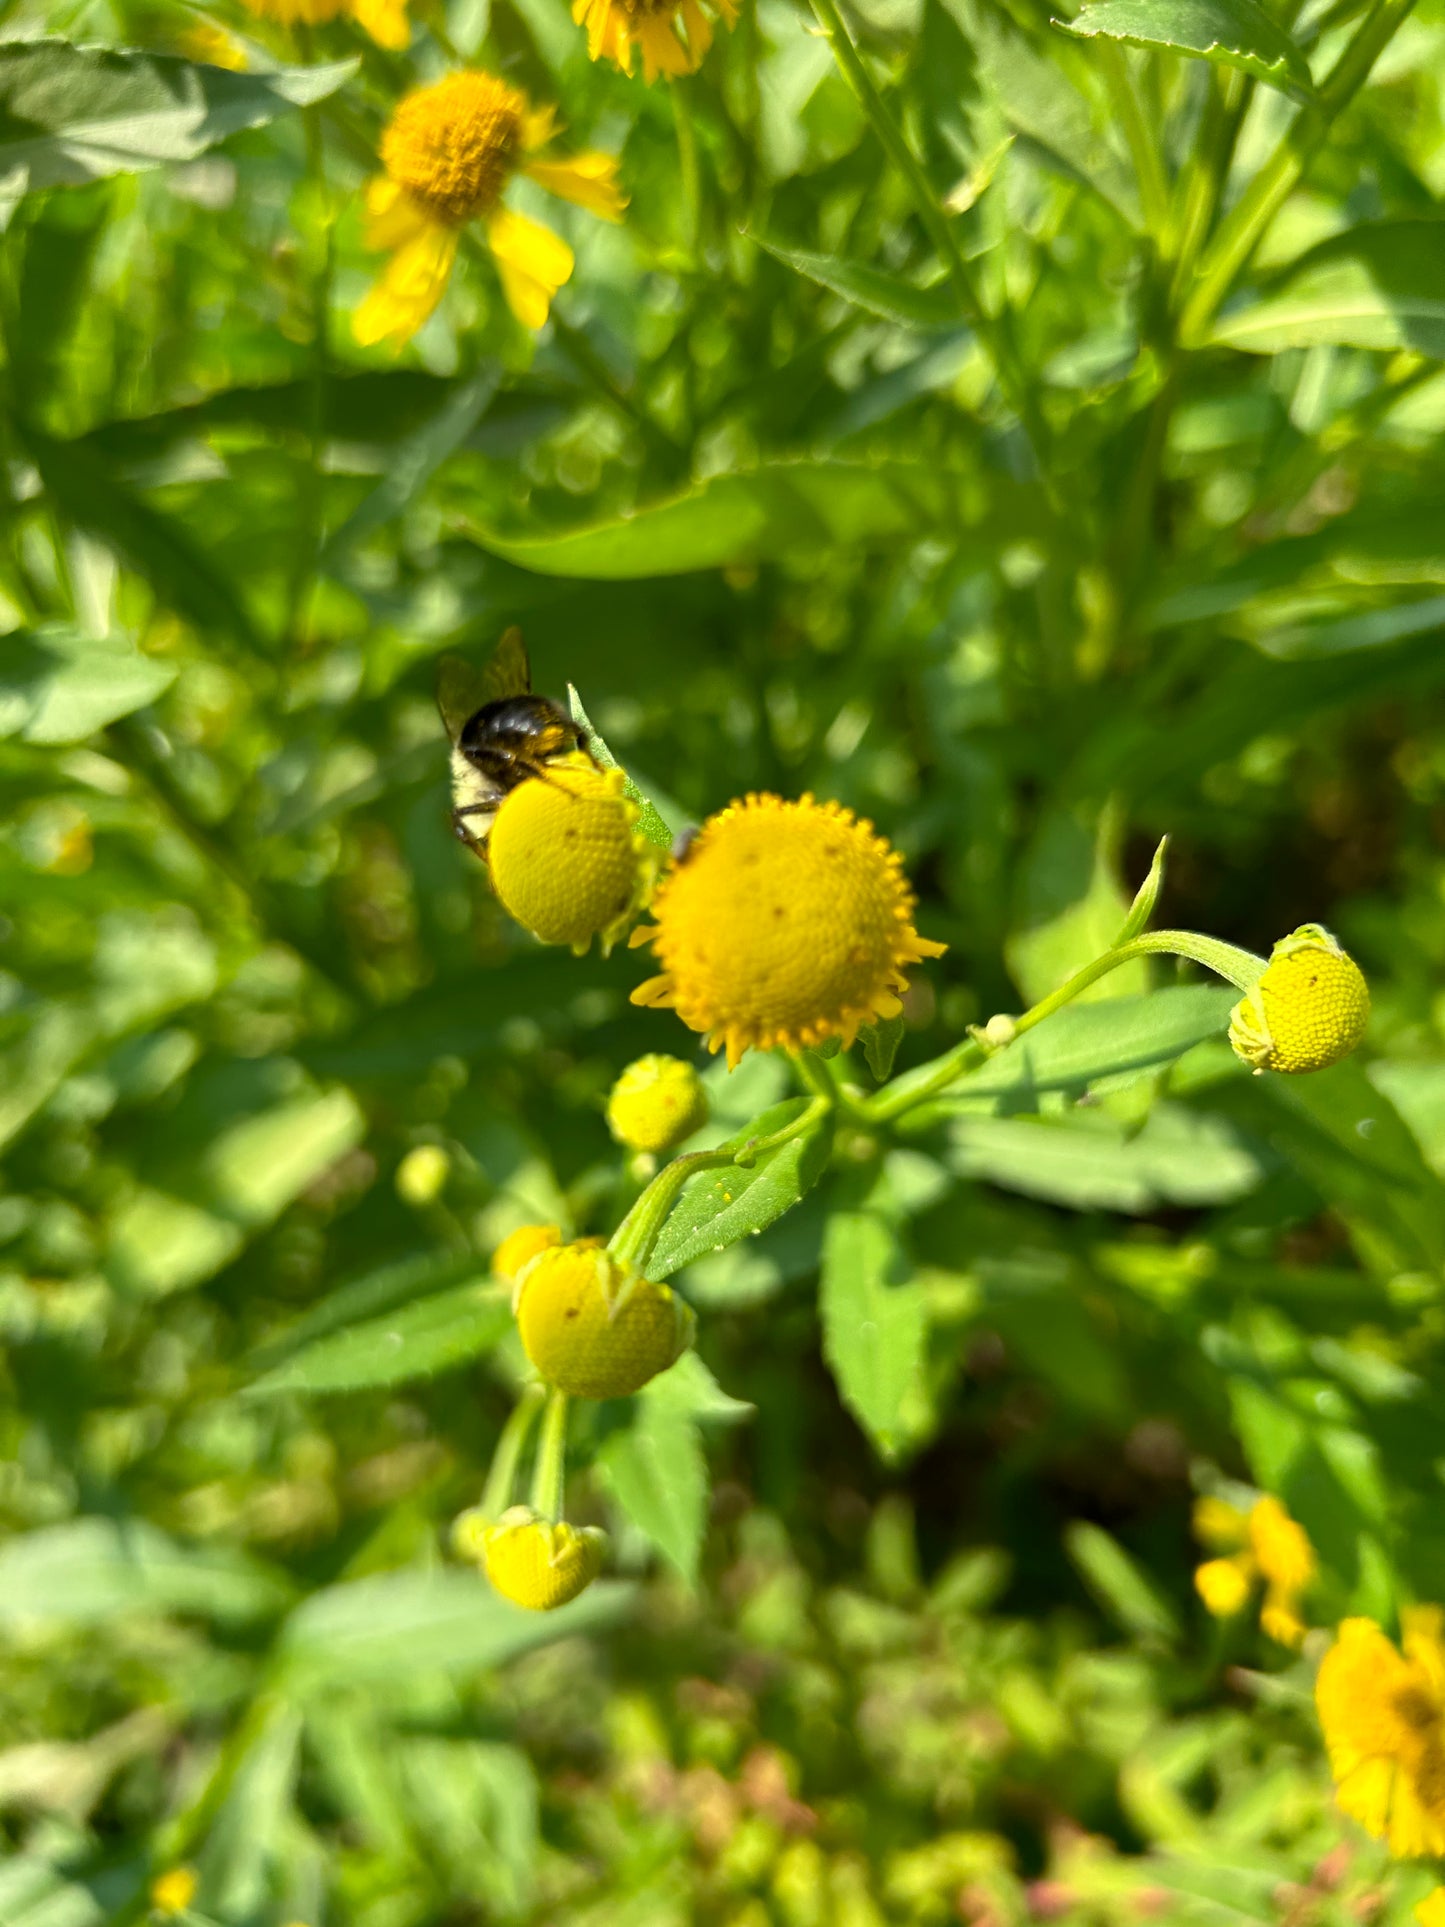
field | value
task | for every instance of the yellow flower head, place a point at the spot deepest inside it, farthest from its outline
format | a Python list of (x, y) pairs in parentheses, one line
[(673, 35), (1307, 1011), (516, 1252), (538, 1564), (784, 924), (1268, 1544), (1383, 1714), (593, 1326), (384, 20), (1431, 1910), (567, 859), (656, 1103), (449, 151), (173, 1891)]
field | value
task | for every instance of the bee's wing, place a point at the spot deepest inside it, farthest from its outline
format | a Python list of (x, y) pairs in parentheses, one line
[(462, 688)]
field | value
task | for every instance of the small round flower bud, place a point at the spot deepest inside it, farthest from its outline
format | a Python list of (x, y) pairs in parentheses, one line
[(566, 856), (1223, 1585), (538, 1564), (1307, 1011), (656, 1103), (516, 1252), (594, 1327), (422, 1175)]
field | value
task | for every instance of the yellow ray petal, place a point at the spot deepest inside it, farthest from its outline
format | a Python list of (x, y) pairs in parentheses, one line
[(662, 51), (539, 124), (385, 21), (392, 217), (408, 288), (532, 261), (699, 31), (588, 179)]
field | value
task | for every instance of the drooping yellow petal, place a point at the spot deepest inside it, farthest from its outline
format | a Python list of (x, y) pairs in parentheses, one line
[(532, 261), (408, 289), (392, 217), (385, 21), (1280, 1618), (589, 179), (699, 32), (662, 51), (596, 16), (539, 124)]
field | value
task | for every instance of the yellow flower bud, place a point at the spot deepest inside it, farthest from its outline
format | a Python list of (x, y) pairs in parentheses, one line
[(567, 858), (1307, 1011), (469, 1535), (656, 1103), (173, 1891), (594, 1327), (422, 1175), (516, 1252), (1223, 1585), (538, 1564)]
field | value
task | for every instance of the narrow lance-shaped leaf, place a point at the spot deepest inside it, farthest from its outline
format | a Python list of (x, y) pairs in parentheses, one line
[(435, 1334), (73, 114), (888, 296), (1234, 33)]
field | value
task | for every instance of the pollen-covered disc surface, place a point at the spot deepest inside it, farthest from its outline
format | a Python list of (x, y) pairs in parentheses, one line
[(1307, 1011), (538, 1564), (785, 923), (453, 145), (566, 858), (596, 1328)]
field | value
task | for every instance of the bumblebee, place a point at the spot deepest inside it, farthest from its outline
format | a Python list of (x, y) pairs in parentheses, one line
[(501, 732)]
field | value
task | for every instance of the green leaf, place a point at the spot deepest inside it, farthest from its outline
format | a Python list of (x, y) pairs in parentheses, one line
[(416, 460), (658, 1475), (71, 114), (91, 1570), (1068, 905), (719, 1207), (376, 1631), (58, 687), (1233, 33), (1088, 1162), (653, 824), (880, 1043), (1380, 285), (885, 295), (365, 1298), (875, 1326), (1145, 898), (1121, 1586), (732, 520), (434, 1335)]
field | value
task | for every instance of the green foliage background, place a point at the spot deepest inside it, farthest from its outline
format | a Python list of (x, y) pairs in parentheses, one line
[(1069, 478)]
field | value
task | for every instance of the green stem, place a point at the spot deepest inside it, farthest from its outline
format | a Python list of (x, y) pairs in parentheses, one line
[(995, 332), (311, 505), (550, 1477), (632, 1241), (502, 1474), (1143, 147), (1242, 968), (1245, 227), (805, 1120)]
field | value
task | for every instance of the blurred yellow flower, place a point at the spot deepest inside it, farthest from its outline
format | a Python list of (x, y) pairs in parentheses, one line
[(1431, 1910), (520, 1247), (656, 1103), (1267, 1544), (1383, 1715), (173, 1891), (384, 20), (448, 152), (784, 924), (673, 35), (1307, 1011), (212, 46)]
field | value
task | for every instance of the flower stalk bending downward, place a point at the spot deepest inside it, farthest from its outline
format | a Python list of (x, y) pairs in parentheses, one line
[(449, 152)]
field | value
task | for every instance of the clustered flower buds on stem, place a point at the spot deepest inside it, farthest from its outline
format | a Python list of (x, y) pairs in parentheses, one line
[(789, 926)]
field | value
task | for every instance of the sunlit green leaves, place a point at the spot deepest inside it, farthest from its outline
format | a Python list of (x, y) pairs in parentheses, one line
[(1381, 285), (1238, 33), (874, 1326), (56, 687), (434, 1334), (72, 114), (719, 1207)]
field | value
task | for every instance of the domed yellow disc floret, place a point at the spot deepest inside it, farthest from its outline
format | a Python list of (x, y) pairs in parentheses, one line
[(783, 925), (517, 1251), (594, 1327), (656, 1103), (538, 1564), (454, 145), (567, 859), (1307, 1011)]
